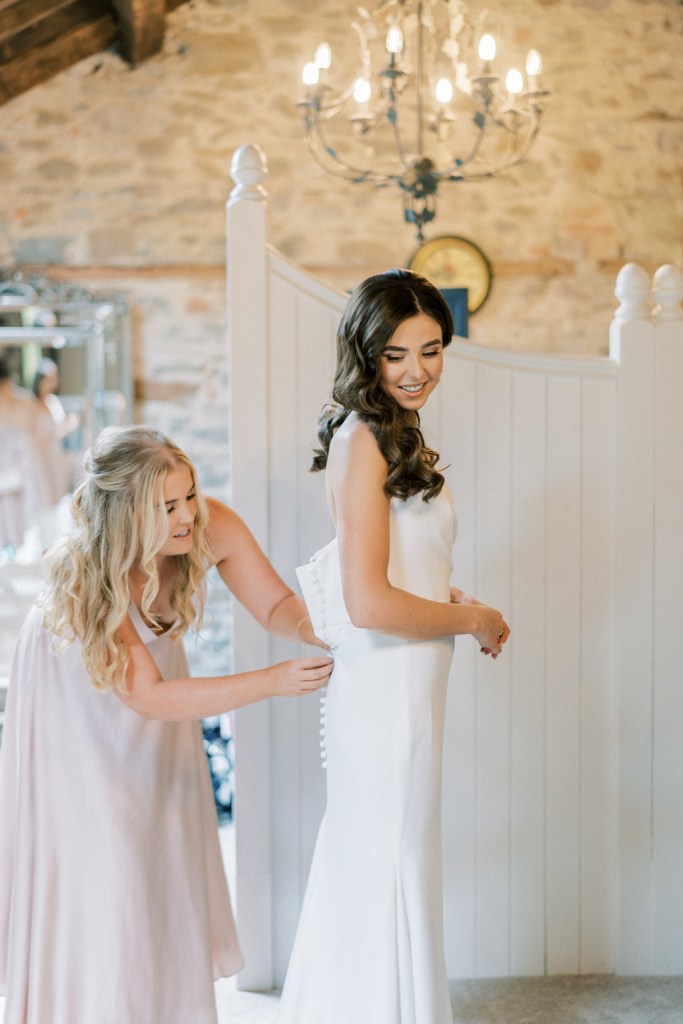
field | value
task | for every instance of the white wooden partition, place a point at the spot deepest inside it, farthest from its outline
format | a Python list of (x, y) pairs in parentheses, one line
[(563, 794)]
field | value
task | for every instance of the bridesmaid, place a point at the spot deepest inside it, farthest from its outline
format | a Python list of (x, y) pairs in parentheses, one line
[(369, 947), (113, 903)]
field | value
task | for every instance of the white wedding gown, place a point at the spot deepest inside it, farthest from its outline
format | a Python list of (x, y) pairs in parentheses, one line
[(369, 947)]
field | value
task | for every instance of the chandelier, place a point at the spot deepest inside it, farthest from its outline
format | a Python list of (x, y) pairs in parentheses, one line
[(425, 106)]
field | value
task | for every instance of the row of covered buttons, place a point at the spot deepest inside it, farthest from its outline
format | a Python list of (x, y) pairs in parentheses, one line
[(322, 599)]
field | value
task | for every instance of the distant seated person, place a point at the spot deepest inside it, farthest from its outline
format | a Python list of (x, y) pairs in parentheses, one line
[(58, 425), (45, 387), (26, 464), (17, 407)]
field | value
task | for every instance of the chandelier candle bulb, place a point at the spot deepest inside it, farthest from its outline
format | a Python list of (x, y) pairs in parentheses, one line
[(514, 82), (362, 90), (487, 51), (534, 66), (310, 74), (443, 91), (323, 57), (394, 41)]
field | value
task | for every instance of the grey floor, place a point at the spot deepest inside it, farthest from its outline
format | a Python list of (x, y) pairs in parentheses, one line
[(586, 1000)]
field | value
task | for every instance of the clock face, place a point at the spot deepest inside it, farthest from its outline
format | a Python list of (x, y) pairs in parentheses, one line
[(453, 262)]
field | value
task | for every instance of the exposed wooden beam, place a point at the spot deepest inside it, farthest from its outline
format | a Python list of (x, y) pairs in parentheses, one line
[(42, 62), (44, 21), (39, 38), (19, 14), (142, 28)]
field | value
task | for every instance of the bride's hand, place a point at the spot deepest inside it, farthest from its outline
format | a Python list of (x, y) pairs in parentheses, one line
[(494, 631)]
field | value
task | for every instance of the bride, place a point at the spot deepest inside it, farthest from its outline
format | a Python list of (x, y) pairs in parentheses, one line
[(369, 947)]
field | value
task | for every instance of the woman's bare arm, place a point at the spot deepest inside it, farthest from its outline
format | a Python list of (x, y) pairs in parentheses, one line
[(357, 473), (189, 698), (249, 575)]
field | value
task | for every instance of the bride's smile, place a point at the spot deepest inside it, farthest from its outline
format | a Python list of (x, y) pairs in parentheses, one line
[(412, 361)]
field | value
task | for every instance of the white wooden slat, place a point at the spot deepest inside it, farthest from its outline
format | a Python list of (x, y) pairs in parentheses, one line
[(599, 739), (562, 641), (247, 333), (315, 528), (315, 365), (492, 678), (455, 442), (526, 652), (282, 451), (668, 693), (634, 647), (285, 715)]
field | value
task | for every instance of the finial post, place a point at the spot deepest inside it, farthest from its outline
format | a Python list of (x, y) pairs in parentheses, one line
[(667, 290), (248, 170), (633, 291)]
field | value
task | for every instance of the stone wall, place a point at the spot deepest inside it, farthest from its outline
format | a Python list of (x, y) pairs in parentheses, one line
[(112, 167)]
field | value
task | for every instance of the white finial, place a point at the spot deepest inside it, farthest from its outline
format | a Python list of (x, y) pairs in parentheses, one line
[(667, 289), (632, 289), (248, 169)]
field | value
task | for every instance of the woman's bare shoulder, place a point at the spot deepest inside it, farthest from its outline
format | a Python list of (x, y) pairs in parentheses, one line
[(355, 458), (354, 439), (224, 529)]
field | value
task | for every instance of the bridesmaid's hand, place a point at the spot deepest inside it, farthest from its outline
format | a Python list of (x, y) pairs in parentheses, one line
[(301, 676)]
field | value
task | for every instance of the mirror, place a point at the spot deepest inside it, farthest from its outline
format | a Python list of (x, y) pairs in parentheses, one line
[(65, 373)]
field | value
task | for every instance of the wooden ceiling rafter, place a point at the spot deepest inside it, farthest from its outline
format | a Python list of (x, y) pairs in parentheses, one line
[(39, 38), (143, 23)]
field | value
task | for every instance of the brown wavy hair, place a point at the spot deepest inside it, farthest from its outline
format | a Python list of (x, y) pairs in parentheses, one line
[(120, 523), (376, 308)]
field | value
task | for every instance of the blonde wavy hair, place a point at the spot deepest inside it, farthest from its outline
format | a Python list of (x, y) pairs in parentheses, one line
[(121, 523)]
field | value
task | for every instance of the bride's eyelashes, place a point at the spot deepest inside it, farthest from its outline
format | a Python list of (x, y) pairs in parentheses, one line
[(396, 358)]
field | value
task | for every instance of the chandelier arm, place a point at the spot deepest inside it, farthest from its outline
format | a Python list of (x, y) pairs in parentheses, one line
[(476, 146), (326, 157), (463, 175), (322, 104), (523, 150), (419, 82), (525, 145), (459, 166), (393, 120), (332, 109)]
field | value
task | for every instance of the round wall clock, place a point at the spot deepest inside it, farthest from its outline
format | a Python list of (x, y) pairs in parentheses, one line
[(453, 262)]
